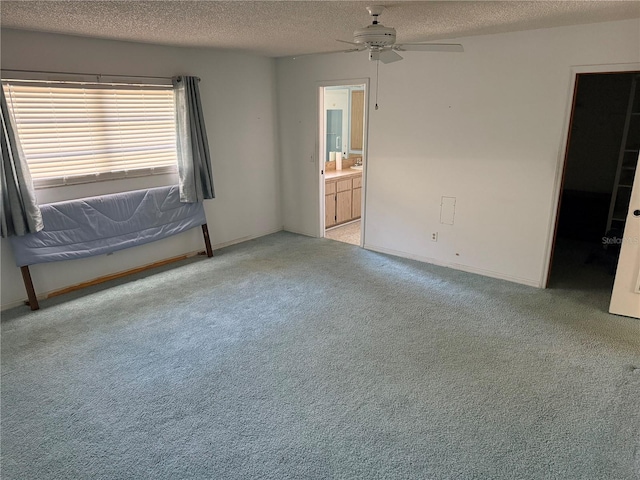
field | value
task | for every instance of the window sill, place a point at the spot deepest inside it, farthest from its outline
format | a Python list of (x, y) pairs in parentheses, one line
[(43, 183)]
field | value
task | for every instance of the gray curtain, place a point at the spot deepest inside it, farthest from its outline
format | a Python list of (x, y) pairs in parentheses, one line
[(194, 161), (20, 211)]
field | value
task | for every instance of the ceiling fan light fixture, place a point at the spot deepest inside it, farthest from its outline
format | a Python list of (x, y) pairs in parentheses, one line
[(375, 35)]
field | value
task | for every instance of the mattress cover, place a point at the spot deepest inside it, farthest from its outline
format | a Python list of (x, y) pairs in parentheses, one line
[(98, 225)]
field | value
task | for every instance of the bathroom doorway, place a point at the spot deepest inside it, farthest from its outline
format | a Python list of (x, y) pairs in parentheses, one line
[(342, 150)]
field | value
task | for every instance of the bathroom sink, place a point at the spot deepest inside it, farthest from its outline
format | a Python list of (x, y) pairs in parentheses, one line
[(356, 167)]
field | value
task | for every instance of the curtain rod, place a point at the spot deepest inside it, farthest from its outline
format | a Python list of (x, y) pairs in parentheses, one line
[(98, 75)]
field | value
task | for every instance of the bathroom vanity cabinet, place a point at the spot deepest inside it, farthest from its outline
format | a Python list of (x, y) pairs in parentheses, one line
[(357, 197), (342, 198)]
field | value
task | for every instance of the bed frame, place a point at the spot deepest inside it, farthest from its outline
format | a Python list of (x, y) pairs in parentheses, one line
[(93, 226)]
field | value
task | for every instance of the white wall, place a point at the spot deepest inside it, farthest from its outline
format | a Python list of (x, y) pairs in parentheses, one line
[(238, 97), (485, 127)]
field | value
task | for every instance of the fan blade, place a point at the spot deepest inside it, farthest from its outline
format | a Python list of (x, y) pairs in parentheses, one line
[(350, 43), (351, 50), (389, 56), (428, 47)]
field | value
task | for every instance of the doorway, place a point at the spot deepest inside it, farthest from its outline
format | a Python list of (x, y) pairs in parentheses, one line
[(342, 148), (596, 187)]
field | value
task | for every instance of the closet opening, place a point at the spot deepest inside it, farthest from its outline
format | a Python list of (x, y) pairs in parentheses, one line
[(600, 166)]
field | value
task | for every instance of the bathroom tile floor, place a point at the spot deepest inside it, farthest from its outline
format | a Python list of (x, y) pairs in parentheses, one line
[(349, 233)]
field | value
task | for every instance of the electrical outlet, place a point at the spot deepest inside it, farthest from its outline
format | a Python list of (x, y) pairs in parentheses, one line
[(434, 237)]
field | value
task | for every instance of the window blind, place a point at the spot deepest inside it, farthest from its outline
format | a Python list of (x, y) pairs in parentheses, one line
[(76, 133)]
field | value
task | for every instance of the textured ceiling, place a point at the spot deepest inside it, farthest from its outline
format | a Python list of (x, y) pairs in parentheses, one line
[(283, 28)]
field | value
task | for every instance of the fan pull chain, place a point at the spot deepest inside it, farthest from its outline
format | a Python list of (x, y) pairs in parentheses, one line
[(377, 81)]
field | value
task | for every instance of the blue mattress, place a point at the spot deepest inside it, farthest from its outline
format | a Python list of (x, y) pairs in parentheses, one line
[(98, 225)]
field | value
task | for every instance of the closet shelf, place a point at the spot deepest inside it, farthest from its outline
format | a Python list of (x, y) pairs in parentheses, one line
[(629, 145)]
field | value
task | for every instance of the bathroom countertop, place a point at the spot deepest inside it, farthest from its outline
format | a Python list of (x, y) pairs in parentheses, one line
[(347, 172)]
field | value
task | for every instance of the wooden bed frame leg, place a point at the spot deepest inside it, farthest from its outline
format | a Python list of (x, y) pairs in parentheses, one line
[(28, 285), (207, 241)]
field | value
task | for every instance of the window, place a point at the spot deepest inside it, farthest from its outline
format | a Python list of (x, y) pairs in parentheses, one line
[(77, 133)]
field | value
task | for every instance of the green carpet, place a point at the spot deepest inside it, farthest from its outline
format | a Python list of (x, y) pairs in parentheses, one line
[(289, 357)]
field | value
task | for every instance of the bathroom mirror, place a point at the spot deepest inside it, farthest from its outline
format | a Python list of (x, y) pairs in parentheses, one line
[(344, 121)]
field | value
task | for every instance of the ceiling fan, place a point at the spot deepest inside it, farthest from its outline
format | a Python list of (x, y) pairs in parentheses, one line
[(380, 41)]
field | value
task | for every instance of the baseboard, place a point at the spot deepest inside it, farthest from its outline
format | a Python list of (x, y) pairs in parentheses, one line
[(305, 234), (17, 303), (367, 246), (124, 273), (455, 266), (245, 239)]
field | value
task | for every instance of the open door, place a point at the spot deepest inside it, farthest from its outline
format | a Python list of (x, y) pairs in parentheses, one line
[(625, 299), (342, 128)]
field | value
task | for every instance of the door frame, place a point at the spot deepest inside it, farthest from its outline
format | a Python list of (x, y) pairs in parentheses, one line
[(321, 153), (561, 165)]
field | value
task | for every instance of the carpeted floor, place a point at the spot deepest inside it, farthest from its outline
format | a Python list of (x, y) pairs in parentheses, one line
[(290, 357), (349, 233)]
